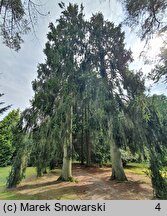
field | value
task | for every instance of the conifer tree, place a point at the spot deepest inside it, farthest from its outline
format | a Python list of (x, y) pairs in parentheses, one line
[(85, 77)]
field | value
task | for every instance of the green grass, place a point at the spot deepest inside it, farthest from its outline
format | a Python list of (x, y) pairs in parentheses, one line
[(66, 193), (136, 168), (4, 172), (11, 194), (30, 171), (142, 168)]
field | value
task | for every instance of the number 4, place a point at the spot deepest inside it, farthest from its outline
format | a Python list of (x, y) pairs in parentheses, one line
[(158, 207)]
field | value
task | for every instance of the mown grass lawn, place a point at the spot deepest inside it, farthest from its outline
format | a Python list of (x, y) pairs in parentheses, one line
[(4, 172), (11, 194), (44, 187)]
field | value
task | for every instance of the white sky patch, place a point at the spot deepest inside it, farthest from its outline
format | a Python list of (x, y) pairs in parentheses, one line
[(151, 52), (155, 45), (146, 61)]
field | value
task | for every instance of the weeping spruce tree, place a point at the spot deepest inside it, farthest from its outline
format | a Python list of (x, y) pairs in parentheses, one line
[(57, 80), (85, 76), (149, 129), (110, 60), (155, 132), (23, 144), (79, 55)]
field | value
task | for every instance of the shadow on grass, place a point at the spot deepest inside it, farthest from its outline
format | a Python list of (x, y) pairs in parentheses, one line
[(63, 193), (112, 190), (87, 188), (34, 186)]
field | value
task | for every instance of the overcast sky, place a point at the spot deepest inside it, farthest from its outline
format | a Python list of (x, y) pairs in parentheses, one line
[(17, 70)]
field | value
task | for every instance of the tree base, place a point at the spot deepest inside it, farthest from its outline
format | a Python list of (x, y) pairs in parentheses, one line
[(121, 177), (69, 179), (118, 179)]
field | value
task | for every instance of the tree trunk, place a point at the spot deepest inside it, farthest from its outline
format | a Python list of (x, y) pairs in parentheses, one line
[(67, 164), (87, 137), (52, 164), (117, 167), (88, 149), (82, 143), (39, 171), (82, 140), (67, 158)]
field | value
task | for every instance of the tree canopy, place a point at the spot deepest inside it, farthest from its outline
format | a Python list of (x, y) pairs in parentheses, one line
[(148, 18), (87, 100)]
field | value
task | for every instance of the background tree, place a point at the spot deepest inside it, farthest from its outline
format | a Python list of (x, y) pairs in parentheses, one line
[(7, 133)]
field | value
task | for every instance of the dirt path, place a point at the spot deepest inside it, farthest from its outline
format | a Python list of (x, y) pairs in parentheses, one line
[(93, 184)]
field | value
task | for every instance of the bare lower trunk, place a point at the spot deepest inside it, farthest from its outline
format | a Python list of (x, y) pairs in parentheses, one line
[(82, 140), (117, 167), (82, 147), (88, 149), (87, 137), (67, 164), (67, 158)]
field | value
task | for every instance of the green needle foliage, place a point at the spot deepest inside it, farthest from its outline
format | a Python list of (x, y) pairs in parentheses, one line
[(3, 109), (23, 144), (79, 91), (86, 100)]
